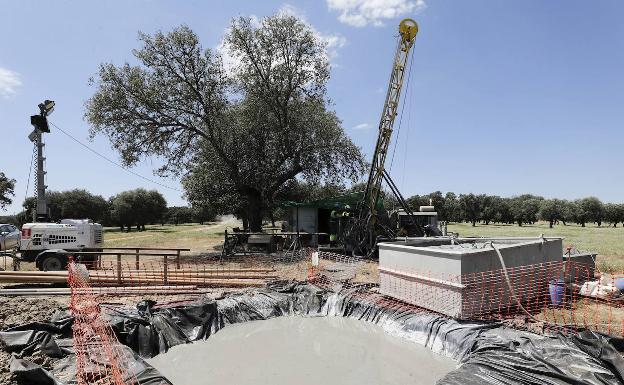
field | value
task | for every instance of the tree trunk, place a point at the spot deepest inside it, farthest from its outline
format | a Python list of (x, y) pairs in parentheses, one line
[(254, 210), (551, 224), (474, 223), (583, 224)]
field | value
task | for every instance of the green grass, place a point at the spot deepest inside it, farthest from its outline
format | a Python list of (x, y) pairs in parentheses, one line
[(607, 242), (199, 238)]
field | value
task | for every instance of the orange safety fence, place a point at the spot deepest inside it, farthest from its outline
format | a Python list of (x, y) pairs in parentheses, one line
[(99, 355), (560, 296)]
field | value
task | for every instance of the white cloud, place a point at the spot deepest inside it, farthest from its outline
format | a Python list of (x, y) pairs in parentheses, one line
[(230, 62), (359, 13), (9, 82), (362, 126), (334, 41)]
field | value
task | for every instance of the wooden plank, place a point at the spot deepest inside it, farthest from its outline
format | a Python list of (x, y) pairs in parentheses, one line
[(146, 248)]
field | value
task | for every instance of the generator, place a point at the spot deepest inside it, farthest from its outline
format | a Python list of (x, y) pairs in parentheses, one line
[(44, 243)]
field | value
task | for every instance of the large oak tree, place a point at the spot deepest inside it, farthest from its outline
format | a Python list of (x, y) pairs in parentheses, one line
[(238, 136)]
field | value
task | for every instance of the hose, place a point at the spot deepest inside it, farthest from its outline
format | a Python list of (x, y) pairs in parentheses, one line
[(511, 289)]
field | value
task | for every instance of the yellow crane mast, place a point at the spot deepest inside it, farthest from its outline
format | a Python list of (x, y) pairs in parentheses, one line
[(368, 215)]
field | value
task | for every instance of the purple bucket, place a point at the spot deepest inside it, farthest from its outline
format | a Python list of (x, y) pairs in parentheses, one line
[(557, 290)]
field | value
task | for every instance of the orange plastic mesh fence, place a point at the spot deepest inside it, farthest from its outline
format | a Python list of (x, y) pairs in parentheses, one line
[(564, 296), (558, 296), (100, 358)]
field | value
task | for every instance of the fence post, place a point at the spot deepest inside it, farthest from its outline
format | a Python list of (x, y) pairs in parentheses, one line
[(165, 269), (137, 258), (178, 259), (119, 269)]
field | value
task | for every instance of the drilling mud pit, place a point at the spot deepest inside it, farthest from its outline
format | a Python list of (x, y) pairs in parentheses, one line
[(318, 350)]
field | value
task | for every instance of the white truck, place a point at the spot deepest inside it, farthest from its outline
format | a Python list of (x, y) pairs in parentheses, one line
[(46, 243)]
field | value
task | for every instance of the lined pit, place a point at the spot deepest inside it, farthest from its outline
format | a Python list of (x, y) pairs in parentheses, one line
[(288, 350)]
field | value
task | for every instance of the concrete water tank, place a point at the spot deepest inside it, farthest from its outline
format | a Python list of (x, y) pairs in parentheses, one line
[(464, 278)]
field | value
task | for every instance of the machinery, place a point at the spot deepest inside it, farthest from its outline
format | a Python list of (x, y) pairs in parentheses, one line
[(371, 223), (43, 242)]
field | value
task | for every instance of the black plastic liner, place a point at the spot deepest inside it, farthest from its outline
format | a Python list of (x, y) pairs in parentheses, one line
[(487, 353)]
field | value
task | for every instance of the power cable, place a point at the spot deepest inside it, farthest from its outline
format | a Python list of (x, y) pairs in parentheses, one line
[(32, 159), (113, 162)]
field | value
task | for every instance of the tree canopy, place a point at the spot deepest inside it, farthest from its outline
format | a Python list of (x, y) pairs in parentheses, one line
[(238, 136), (7, 190), (137, 207)]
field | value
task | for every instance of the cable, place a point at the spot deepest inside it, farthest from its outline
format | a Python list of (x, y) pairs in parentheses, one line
[(407, 131), (407, 88), (32, 159), (112, 161)]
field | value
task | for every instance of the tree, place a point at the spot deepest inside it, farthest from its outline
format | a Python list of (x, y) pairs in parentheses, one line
[(525, 208), (452, 210), (592, 210), (551, 210), (415, 201), (203, 213), (569, 213), (179, 214), (137, 207), (470, 205), (77, 204), (237, 136), (488, 208), (614, 213), (7, 190)]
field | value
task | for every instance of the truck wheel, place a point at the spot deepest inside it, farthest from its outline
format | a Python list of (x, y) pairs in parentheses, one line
[(52, 262)]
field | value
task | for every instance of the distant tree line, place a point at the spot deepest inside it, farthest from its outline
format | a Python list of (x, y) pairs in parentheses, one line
[(521, 209), (473, 208), (128, 209)]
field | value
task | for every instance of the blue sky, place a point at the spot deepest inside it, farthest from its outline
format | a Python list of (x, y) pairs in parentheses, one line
[(505, 97)]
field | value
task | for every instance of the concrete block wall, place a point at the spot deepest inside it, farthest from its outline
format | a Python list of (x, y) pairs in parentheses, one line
[(468, 282)]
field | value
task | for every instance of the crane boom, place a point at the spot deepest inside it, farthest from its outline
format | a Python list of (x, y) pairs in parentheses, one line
[(407, 33)]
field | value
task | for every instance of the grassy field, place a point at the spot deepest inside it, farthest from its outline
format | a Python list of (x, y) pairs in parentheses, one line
[(607, 241), (199, 238)]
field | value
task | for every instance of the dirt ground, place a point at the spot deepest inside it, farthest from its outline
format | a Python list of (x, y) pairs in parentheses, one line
[(16, 311)]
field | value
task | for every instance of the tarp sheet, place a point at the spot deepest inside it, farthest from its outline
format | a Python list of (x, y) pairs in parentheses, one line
[(487, 353)]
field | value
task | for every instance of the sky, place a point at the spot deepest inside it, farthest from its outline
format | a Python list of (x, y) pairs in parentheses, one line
[(504, 97)]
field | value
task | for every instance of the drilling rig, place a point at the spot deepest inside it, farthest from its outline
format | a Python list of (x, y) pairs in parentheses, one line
[(371, 223)]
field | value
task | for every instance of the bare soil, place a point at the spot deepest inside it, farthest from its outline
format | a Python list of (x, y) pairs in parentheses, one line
[(16, 311)]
